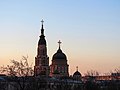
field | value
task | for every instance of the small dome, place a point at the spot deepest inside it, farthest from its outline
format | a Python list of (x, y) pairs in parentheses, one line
[(77, 73), (59, 55)]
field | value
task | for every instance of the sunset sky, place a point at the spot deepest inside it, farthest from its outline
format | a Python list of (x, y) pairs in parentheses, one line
[(89, 31)]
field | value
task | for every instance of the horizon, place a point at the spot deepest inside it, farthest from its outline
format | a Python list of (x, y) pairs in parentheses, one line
[(89, 32)]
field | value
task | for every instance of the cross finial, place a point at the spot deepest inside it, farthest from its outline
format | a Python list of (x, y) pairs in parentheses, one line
[(59, 43), (42, 30), (77, 68), (42, 21)]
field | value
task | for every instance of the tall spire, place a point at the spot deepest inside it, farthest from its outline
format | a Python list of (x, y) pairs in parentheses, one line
[(59, 42), (42, 29), (41, 60), (42, 40)]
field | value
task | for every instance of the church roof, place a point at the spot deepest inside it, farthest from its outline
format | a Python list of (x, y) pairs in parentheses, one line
[(77, 73), (59, 54)]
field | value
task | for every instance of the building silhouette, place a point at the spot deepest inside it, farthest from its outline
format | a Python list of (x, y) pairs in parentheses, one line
[(77, 75), (41, 60), (59, 66)]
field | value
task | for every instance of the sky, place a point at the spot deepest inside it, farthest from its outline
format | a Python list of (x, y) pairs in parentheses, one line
[(89, 31)]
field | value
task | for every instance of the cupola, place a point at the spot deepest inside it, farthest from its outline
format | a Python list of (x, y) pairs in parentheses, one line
[(59, 55)]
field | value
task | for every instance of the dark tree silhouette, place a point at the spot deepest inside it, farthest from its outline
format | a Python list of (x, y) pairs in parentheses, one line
[(92, 73), (18, 72)]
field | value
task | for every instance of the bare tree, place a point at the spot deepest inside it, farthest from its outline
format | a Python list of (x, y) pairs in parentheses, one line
[(18, 68), (115, 74), (92, 73), (117, 70), (18, 72)]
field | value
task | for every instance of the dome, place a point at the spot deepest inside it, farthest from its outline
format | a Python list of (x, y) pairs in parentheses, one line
[(59, 55), (77, 73)]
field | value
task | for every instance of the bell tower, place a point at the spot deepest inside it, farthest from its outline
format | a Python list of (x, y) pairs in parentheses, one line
[(41, 60)]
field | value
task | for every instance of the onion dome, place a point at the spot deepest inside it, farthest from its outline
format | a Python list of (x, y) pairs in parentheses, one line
[(59, 54), (42, 40), (77, 73)]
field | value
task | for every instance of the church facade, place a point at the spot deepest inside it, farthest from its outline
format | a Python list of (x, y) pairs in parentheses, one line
[(58, 67)]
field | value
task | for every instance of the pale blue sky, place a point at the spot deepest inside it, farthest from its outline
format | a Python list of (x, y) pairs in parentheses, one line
[(89, 30)]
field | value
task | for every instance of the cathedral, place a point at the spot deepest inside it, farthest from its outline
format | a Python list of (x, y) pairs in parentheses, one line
[(59, 66)]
